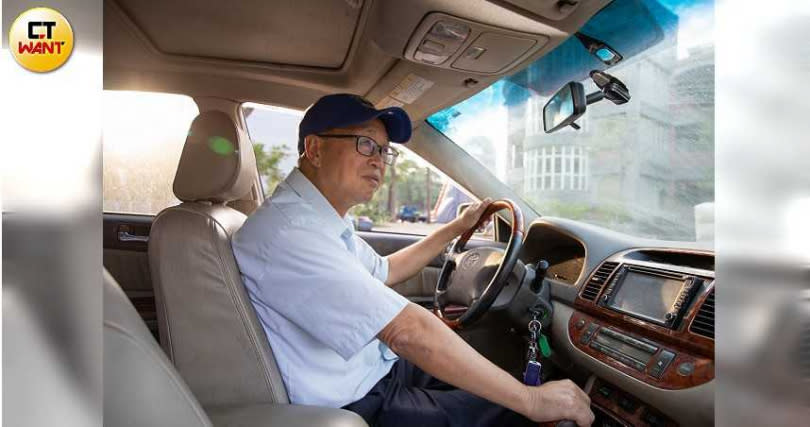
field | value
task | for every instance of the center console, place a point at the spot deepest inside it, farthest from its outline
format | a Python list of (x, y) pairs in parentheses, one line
[(656, 296), (649, 319), (613, 407), (656, 363)]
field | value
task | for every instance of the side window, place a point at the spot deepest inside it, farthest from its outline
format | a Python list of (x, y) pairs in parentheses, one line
[(274, 134), (414, 199), (143, 136)]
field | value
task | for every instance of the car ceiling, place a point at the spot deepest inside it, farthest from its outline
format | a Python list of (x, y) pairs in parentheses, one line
[(290, 52)]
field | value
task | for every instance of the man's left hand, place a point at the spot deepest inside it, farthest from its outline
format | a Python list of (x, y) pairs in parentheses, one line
[(470, 216)]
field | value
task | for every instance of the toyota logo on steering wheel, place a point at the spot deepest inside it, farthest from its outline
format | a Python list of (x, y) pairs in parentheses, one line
[(471, 260)]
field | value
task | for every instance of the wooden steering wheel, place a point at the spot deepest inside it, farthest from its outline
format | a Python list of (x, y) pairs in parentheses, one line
[(473, 279)]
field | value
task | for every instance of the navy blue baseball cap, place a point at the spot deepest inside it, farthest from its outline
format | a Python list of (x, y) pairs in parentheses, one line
[(344, 109)]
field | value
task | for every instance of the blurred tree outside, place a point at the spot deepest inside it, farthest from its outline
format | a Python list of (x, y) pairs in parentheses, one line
[(603, 213), (269, 157), (129, 187), (268, 164), (410, 188)]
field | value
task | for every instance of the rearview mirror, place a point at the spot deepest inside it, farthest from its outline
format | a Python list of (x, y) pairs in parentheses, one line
[(565, 107)]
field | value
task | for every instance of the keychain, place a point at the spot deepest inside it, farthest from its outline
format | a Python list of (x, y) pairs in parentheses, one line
[(545, 348), (531, 376)]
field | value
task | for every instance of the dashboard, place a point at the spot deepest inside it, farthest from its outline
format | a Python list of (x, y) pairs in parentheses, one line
[(564, 253), (651, 320), (638, 316)]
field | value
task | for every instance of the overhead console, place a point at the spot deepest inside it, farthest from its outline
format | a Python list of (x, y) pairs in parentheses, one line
[(449, 42), (650, 314)]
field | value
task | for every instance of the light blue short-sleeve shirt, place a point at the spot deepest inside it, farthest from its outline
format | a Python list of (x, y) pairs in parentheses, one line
[(318, 290)]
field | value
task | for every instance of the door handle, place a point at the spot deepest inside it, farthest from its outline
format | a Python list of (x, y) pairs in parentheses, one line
[(125, 236)]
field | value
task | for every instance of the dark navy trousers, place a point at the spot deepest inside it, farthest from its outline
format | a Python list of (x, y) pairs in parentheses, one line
[(409, 397)]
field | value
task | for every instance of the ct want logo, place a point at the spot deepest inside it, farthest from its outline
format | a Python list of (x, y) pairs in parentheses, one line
[(40, 39)]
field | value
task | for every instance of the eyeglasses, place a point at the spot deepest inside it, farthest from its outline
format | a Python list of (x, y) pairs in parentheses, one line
[(368, 147)]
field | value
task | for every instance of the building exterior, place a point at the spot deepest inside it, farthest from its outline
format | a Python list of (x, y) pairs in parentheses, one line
[(640, 167)]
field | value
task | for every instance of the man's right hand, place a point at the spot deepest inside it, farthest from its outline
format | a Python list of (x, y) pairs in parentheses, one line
[(559, 400), (420, 337)]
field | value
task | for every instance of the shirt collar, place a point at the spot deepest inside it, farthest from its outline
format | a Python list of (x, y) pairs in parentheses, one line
[(333, 223)]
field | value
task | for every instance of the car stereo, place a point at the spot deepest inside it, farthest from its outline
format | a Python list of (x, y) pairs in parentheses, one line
[(657, 296)]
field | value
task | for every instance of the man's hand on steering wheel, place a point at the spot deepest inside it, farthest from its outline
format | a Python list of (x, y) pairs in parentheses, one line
[(471, 280), (470, 216)]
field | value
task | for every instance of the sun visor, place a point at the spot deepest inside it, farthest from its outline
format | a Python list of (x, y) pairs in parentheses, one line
[(630, 27)]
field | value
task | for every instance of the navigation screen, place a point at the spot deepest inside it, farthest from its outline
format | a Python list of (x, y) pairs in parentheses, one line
[(646, 295)]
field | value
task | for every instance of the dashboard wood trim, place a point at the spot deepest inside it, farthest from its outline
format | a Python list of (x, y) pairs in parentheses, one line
[(669, 380), (610, 405), (681, 338)]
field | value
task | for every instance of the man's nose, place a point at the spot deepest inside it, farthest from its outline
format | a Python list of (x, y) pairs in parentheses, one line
[(376, 160)]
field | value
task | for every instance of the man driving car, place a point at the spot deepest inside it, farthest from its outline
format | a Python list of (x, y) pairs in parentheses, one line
[(340, 335)]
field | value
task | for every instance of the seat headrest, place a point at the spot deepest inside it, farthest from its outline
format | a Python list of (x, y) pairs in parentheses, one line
[(217, 163)]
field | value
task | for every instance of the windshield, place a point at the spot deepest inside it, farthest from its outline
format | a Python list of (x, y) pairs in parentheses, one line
[(644, 168)]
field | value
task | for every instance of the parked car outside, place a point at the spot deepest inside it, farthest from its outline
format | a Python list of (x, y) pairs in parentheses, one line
[(364, 223), (411, 213), (408, 213)]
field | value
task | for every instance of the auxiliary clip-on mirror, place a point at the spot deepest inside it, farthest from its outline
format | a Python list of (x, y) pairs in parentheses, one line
[(570, 102)]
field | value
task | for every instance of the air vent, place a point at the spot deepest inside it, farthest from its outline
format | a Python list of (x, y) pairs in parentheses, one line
[(598, 280), (703, 324)]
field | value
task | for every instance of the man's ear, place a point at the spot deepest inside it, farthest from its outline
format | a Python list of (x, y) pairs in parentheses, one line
[(312, 150)]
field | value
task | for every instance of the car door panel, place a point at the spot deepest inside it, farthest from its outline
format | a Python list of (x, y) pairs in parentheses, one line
[(125, 239), (419, 288), (125, 256)]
